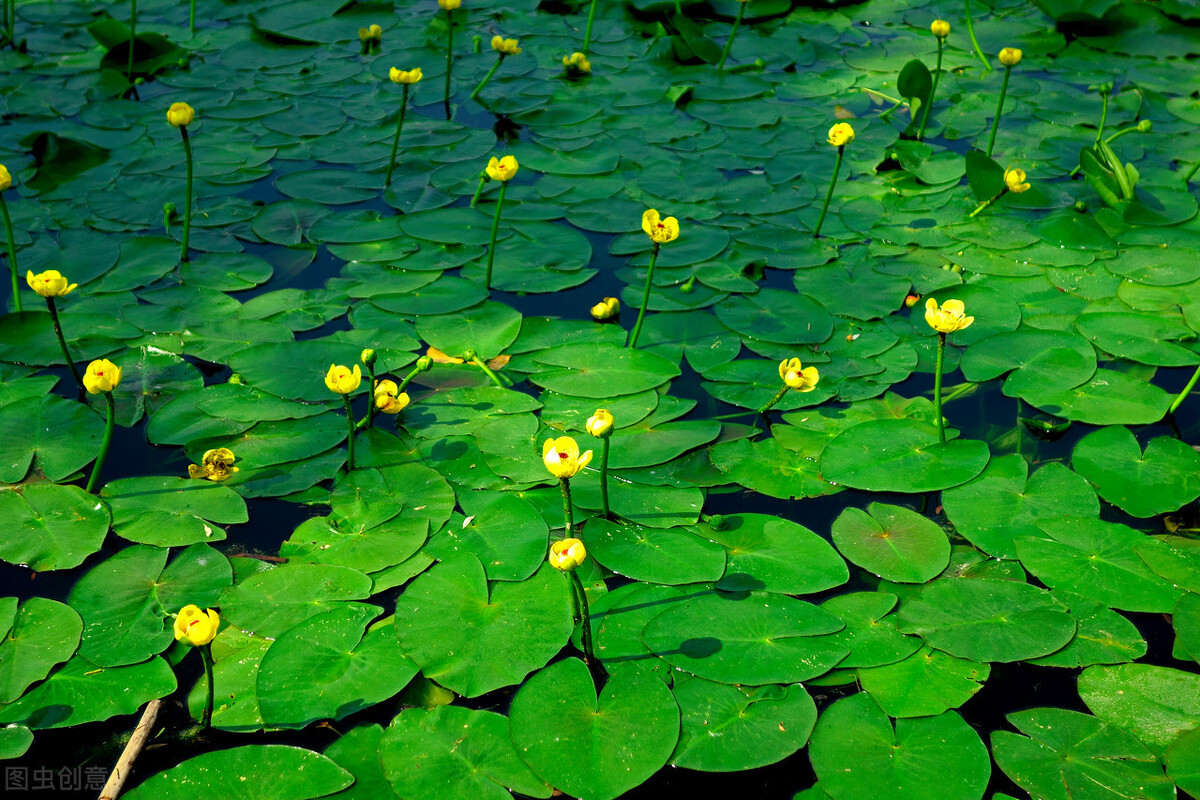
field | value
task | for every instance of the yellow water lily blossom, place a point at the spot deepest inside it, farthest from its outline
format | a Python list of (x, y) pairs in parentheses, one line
[(660, 231), (567, 554), (502, 169), (1014, 179), (402, 76), (5, 178), (375, 32), (600, 424), (947, 319), (940, 28), (798, 377), (215, 465), (343, 380), (388, 397), (1010, 56), (577, 62), (50, 283), (195, 626), (102, 376), (180, 114), (449, 5), (561, 456), (841, 134), (505, 47), (607, 308)]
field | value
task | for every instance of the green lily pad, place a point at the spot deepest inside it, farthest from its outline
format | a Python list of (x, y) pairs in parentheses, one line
[(1036, 360), (51, 527), (42, 633), (672, 556), (57, 435), (1154, 704), (172, 512), (893, 542), (14, 741), (601, 370), (1183, 762), (900, 455), (1102, 636), (263, 772), (270, 602), (776, 316), (925, 683), (1144, 338), (1109, 398), (873, 641), (1164, 478), (775, 555)]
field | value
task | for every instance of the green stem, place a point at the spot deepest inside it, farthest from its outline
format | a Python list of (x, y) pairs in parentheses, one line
[(1186, 391), (206, 657), (104, 445), (62, 343), (732, 33), (604, 480), (187, 200), (1188, 177), (396, 139), (837, 167), (1019, 427), (371, 405), (778, 396), (486, 78), (637, 327), (479, 189), (1118, 170), (449, 59), (1099, 132), (12, 252), (192, 17), (579, 600), (496, 379), (999, 110), (971, 32), (987, 203), (350, 424), (408, 379), (962, 389), (487, 276), (937, 75), (937, 388), (568, 515), (132, 39), (587, 33)]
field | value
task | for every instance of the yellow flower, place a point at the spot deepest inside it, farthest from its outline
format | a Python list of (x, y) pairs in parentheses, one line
[(1014, 179), (841, 134), (50, 283), (947, 319), (940, 28), (196, 627), (342, 380), (577, 62), (1010, 56), (607, 308), (180, 114), (405, 76), (660, 231), (801, 379), (502, 169), (561, 457), (388, 397), (215, 465), (600, 424), (375, 32), (101, 376), (5, 178), (449, 5), (505, 47), (567, 554)]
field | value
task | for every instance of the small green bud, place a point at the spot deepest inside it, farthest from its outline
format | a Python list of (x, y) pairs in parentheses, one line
[(469, 355), (236, 379), (424, 363), (368, 357), (1145, 126)]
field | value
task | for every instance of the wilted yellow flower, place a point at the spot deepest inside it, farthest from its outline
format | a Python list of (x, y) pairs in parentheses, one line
[(1014, 179), (5, 178), (50, 283), (561, 456), (449, 5), (505, 47), (567, 554), (660, 231), (196, 627), (841, 134), (600, 424), (101, 376), (947, 319), (215, 465), (607, 308), (502, 169), (388, 397), (802, 379), (940, 28), (577, 62), (180, 114), (343, 380), (410, 76), (1010, 56)]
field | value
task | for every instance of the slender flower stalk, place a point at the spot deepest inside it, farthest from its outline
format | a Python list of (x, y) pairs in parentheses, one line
[(132, 41), (940, 29), (840, 135), (945, 320), (660, 232), (975, 42), (600, 425), (503, 170), (198, 627), (424, 364), (587, 32), (563, 460), (449, 6), (937, 388), (1009, 57), (343, 381), (206, 657), (49, 285), (567, 556), (180, 115), (405, 78), (794, 376), (637, 326), (62, 342), (369, 358), (5, 182), (350, 432), (1014, 181), (504, 48), (568, 511), (102, 377), (192, 17), (1179, 398), (732, 33), (473, 357)]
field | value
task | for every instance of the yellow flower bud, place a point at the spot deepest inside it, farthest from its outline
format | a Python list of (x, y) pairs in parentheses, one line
[(50, 283), (607, 308), (375, 32), (567, 554), (505, 47), (405, 76), (5, 178), (940, 28), (947, 319), (1014, 179), (502, 169), (180, 114), (196, 627), (561, 456), (577, 63), (841, 134), (101, 376), (1010, 56), (341, 380), (449, 5), (600, 424), (215, 465), (660, 231), (802, 379)]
